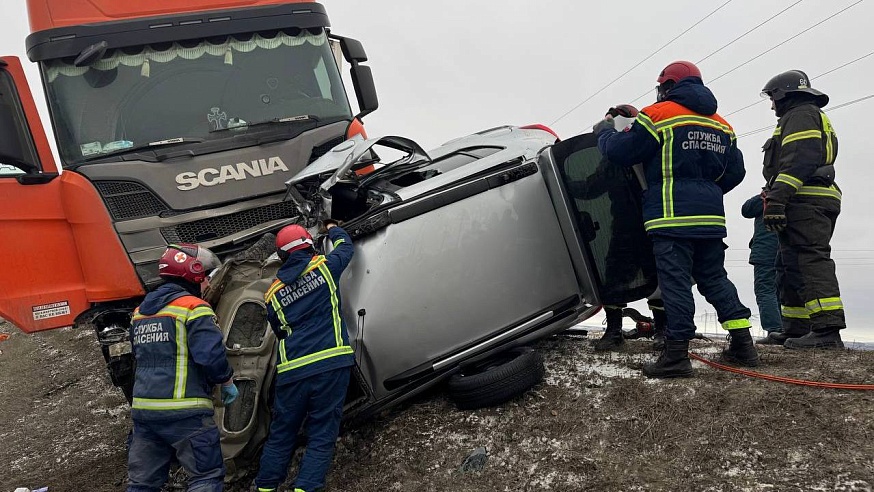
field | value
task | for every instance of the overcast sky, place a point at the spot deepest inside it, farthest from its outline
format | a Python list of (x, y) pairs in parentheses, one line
[(444, 69)]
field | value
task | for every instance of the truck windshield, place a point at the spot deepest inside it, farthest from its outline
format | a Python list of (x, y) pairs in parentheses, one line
[(190, 89)]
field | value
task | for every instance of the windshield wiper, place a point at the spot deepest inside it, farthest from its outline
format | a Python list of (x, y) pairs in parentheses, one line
[(273, 121), (149, 146)]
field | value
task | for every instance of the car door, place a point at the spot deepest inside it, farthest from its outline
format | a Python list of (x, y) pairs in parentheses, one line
[(599, 208), (60, 253)]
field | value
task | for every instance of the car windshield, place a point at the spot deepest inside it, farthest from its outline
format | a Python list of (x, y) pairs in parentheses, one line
[(190, 89)]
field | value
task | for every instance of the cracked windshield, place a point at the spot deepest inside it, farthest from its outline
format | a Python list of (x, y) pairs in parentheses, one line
[(145, 96)]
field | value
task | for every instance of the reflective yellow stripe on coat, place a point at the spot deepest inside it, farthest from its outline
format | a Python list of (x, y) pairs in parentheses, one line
[(340, 349), (663, 131), (171, 403)]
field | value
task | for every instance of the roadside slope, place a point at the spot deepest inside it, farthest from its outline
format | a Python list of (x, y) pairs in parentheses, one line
[(595, 424)]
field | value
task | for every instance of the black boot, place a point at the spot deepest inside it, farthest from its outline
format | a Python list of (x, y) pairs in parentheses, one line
[(672, 363), (773, 338), (794, 328), (660, 320), (612, 338), (817, 340), (741, 350)]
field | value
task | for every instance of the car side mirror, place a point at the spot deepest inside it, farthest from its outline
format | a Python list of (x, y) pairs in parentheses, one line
[(365, 90)]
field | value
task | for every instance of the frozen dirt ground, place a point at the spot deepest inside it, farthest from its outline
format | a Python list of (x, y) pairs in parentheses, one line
[(594, 424)]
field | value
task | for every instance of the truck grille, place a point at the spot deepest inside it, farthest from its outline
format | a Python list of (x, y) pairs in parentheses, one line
[(226, 225), (129, 200)]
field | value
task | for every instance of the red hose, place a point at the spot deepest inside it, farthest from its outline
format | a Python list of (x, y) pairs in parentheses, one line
[(781, 379)]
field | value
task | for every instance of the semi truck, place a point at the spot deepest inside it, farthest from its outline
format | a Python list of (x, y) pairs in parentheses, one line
[(174, 121), (218, 122)]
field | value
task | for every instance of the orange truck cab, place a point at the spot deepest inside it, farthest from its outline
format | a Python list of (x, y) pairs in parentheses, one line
[(175, 121)]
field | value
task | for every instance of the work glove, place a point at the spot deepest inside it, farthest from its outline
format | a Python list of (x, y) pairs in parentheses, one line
[(625, 110), (774, 216), (603, 125), (323, 225), (229, 392)]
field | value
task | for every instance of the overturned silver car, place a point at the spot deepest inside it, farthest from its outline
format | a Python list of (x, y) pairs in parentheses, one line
[(463, 255)]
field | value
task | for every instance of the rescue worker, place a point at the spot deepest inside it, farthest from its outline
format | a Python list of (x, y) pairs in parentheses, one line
[(690, 160), (613, 337), (180, 357), (623, 261), (313, 360), (763, 258), (802, 203)]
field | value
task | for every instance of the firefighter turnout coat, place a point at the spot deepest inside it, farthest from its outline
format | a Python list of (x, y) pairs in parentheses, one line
[(180, 355), (799, 168), (690, 160), (798, 156), (303, 308)]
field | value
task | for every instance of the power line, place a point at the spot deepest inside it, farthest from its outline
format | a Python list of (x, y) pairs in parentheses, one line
[(842, 66), (748, 106), (812, 78), (758, 130), (849, 103), (638, 98), (639, 63), (844, 105), (769, 19), (787, 40)]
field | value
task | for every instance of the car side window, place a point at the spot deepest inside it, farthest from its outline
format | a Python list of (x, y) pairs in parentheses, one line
[(606, 200), (17, 152)]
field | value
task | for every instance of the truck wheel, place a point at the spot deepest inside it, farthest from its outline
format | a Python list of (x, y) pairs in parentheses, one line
[(497, 380)]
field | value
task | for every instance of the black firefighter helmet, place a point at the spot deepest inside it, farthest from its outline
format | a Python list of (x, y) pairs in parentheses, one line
[(793, 81)]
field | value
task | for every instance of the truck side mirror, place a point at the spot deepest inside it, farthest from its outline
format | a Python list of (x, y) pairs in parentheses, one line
[(365, 89), (362, 77), (353, 50)]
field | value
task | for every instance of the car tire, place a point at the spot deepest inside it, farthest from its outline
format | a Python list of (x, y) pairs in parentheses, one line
[(497, 380)]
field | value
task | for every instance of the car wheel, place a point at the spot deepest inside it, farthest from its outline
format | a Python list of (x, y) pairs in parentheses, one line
[(497, 380)]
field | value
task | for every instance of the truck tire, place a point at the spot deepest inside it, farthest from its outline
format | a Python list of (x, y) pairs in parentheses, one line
[(497, 380)]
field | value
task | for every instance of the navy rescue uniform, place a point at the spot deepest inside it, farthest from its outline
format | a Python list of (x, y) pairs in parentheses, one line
[(799, 160), (180, 357), (313, 363), (690, 160)]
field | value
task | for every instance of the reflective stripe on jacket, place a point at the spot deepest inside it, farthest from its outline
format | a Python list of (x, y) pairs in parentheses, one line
[(802, 146), (303, 307), (690, 159), (180, 355)]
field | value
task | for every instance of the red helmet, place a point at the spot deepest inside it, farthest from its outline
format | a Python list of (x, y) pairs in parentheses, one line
[(293, 238), (187, 261), (678, 71)]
